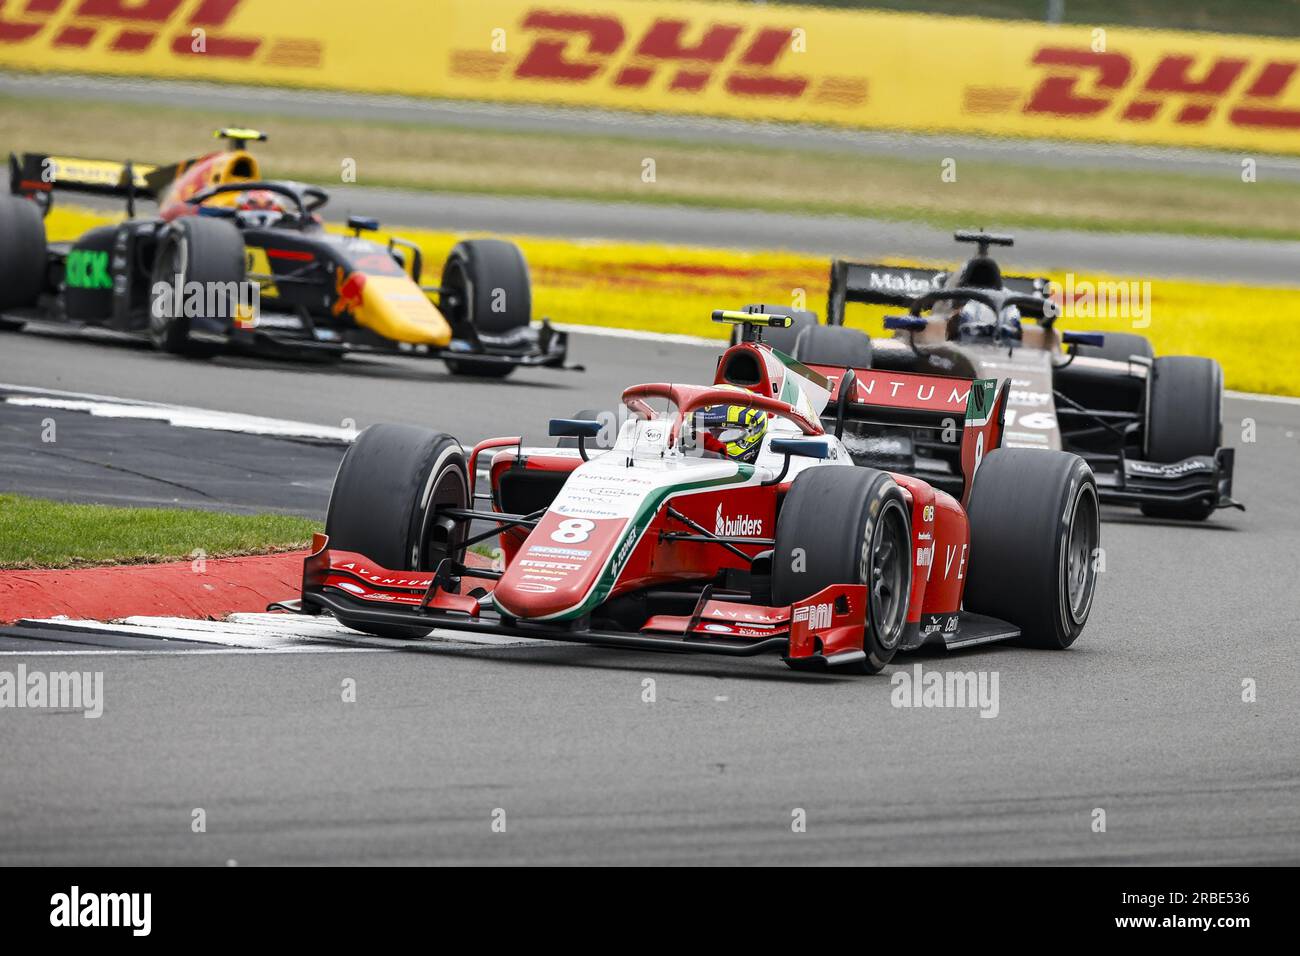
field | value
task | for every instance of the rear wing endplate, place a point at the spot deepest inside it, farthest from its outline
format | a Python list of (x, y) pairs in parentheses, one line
[(40, 174), (966, 412)]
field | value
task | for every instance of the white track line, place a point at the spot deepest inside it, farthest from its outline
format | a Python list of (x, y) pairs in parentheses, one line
[(326, 628), (91, 651), (668, 338), (180, 416), (259, 633), (1257, 397)]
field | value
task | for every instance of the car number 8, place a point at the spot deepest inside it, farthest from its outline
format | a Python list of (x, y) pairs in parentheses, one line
[(573, 530)]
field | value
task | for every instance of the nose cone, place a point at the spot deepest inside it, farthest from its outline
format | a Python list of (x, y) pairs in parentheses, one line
[(563, 567), (394, 307)]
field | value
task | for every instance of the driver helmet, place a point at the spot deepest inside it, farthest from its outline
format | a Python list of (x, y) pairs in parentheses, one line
[(733, 430), (259, 208), (977, 320)]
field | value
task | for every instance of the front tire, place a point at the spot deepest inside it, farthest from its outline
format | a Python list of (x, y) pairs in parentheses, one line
[(1184, 418), (385, 498), (22, 253), (1034, 532), (848, 526), (209, 252), (487, 293), (1119, 347)]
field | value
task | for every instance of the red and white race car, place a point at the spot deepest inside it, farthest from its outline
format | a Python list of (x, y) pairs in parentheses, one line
[(721, 518)]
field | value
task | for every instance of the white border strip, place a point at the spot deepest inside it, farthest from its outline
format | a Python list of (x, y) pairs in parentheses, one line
[(179, 416), (1258, 397), (670, 338)]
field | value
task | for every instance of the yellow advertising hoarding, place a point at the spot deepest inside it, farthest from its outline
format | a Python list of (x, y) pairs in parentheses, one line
[(862, 69)]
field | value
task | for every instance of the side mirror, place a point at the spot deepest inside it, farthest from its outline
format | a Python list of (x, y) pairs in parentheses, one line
[(361, 224), (906, 323), (574, 428), (1083, 338), (802, 447)]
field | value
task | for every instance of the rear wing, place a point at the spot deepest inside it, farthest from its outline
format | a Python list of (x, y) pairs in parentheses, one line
[(37, 175), (964, 412), (876, 284)]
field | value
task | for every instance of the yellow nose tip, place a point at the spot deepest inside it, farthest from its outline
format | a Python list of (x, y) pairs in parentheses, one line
[(394, 307)]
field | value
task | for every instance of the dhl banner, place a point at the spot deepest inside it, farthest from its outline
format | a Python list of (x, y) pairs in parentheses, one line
[(863, 69)]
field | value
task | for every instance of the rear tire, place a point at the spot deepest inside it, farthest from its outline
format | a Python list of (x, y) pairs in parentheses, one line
[(1184, 418), (1034, 530), (23, 261), (1118, 347), (853, 527), (384, 498), (489, 293), (833, 345), (200, 250)]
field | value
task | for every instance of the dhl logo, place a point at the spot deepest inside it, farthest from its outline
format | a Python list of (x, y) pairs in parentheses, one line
[(189, 28), (675, 55), (1180, 87)]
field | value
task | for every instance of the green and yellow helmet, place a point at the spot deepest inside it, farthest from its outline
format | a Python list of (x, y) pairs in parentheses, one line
[(733, 430)]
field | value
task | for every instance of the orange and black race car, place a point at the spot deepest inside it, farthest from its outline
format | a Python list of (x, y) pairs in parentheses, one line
[(235, 261)]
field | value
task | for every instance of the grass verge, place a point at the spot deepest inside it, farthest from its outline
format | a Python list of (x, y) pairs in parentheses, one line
[(35, 533), (734, 175)]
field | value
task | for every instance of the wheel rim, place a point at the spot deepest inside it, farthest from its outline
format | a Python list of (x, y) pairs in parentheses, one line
[(1081, 544), (166, 267), (454, 299), (888, 563), (443, 535)]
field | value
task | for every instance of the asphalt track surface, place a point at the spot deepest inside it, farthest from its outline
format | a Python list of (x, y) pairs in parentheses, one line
[(1142, 718), (1147, 256)]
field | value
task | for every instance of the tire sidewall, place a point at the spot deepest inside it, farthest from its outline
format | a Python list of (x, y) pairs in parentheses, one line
[(168, 333), (449, 465), (1081, 487), (880, 647)]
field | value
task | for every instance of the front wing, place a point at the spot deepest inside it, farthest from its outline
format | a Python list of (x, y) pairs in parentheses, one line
[(1201, 478), (826, 628), (541, 346)]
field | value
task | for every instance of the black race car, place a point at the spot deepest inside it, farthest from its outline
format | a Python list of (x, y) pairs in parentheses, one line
[(235, 261), (1150, 427)]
